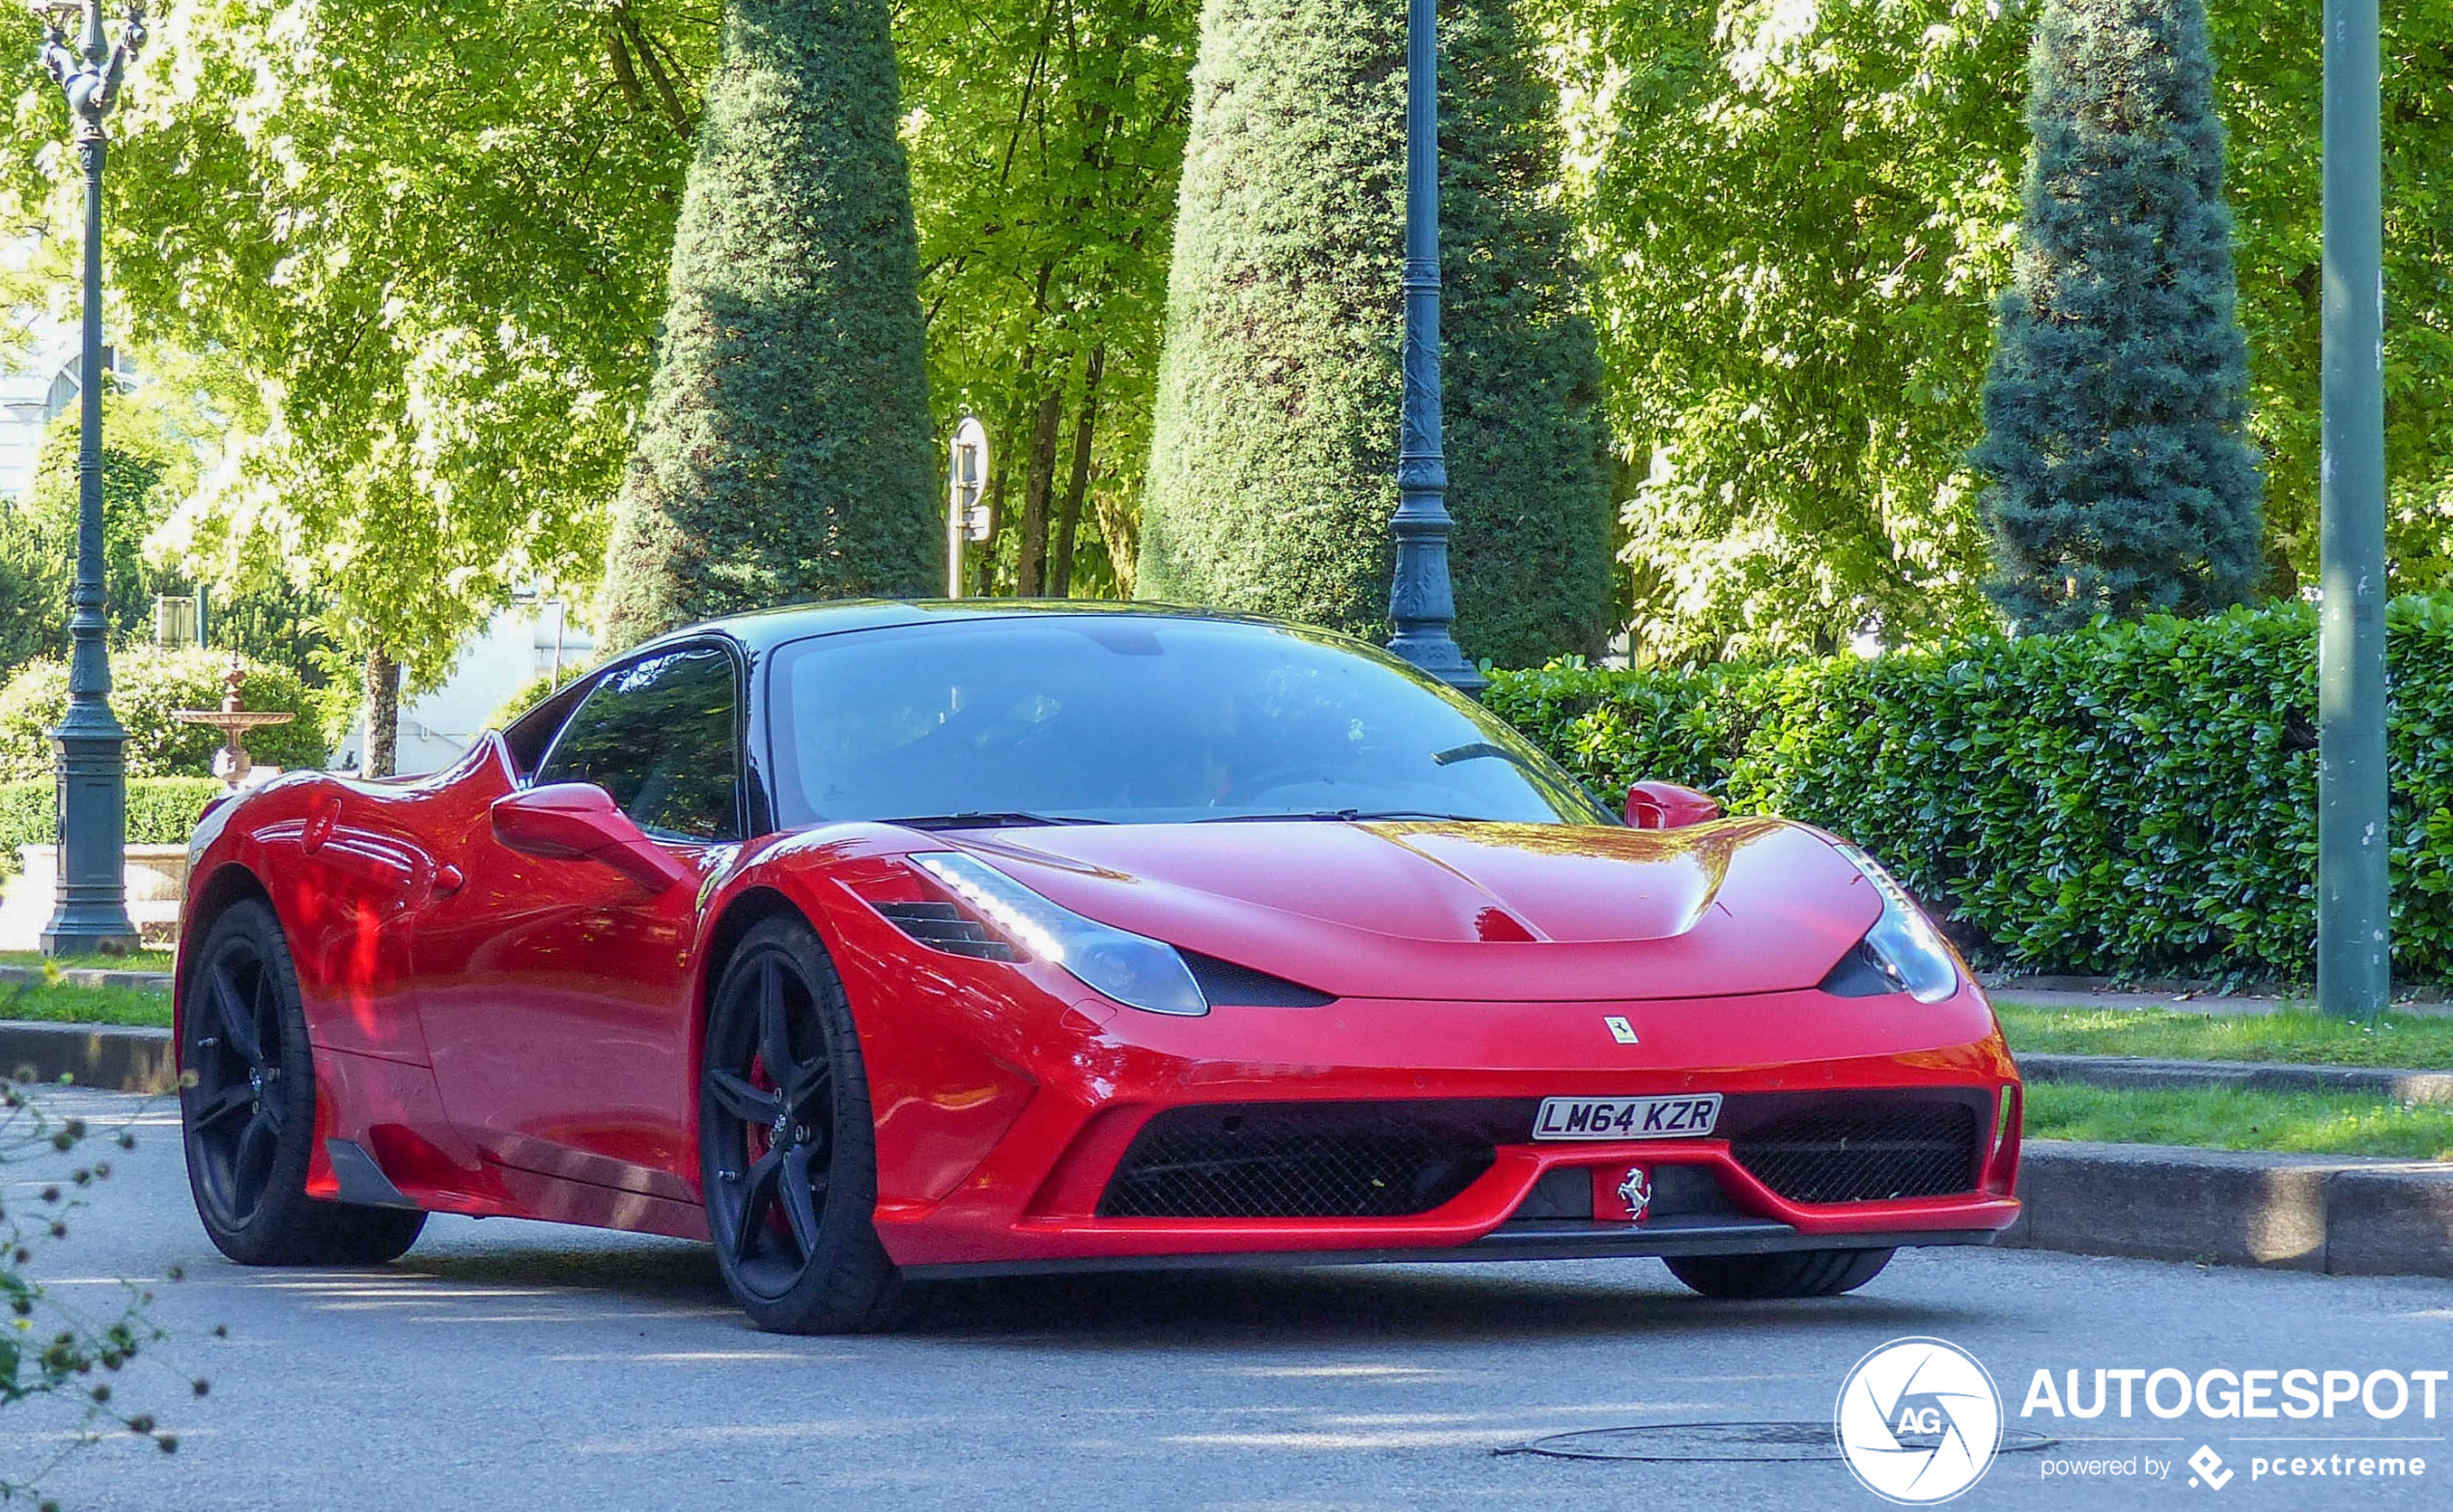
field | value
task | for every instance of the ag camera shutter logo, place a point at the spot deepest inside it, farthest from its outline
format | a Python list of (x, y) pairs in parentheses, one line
[(1918, 1421)]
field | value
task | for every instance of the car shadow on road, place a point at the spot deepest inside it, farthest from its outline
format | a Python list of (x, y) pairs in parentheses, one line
[(1383, 1303), (1378, 1304)]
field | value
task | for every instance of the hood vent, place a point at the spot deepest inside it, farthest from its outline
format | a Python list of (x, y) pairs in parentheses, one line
[(1224, 983)]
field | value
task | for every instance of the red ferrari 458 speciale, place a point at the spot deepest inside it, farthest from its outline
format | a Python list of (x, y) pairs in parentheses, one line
[(878, 943)]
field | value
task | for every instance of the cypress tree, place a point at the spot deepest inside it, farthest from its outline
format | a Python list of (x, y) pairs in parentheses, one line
[(2123, 482), (786, 452), (1274, 444)]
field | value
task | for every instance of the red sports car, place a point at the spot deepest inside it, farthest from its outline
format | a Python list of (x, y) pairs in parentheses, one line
[(881, 942)]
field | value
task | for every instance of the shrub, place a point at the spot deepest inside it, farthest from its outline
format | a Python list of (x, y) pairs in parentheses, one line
[(785, 452), (2129, 798), (145, 686), (1273, 457), (160, 811)]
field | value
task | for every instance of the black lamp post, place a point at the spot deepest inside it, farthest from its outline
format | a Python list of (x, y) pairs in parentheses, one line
[(1421, 600), (93, 788)]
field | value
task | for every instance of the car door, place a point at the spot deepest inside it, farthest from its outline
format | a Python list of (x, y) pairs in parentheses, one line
[(551, 992)]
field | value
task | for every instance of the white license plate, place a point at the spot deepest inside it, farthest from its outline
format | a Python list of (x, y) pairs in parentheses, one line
[(1628, 1118)]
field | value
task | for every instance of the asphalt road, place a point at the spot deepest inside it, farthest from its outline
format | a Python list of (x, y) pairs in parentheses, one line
[(514, 1365)]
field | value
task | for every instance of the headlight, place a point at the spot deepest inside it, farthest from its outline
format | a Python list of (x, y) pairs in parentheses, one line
[(1134, 969), (1901, 954)]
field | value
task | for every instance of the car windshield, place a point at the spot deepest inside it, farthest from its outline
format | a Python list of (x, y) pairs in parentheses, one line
[(1135, 719)]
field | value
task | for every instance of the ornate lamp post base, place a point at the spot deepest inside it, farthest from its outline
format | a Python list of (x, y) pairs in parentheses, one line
[(92, 913)]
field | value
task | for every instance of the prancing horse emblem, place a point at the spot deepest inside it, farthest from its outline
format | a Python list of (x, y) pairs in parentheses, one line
[(1636, 1192), (1619, 1029)]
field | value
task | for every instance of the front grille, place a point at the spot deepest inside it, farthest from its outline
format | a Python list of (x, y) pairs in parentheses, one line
[(1300, 1161), (947, 927), (1864, 1151)]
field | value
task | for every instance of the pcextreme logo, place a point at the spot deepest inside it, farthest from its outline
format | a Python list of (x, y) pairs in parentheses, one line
[(1918, 1421)]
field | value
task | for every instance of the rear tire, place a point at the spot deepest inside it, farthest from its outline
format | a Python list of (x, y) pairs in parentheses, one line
[(248, 1120), (788, 1148), (1795, 1272)]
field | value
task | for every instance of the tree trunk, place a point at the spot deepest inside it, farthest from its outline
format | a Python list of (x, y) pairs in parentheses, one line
[(1031, 572), (1061, 580), (382, 714)]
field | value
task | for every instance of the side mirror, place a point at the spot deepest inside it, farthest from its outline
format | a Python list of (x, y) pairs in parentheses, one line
[(1665, 805), (579, 822)]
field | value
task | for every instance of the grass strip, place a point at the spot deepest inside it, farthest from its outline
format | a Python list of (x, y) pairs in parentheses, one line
[(2223, 1118), (2295, 1036), (59, 1002), (133, 961)]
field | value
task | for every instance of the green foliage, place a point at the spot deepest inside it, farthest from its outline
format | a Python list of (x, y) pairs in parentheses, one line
[(786, 453), (145, 686), (530, 695), (1798, 219), (1046, 143), (34, 593), (1272, 473), (160, 811), (2129, 798), (423, 244), (2119, 388)]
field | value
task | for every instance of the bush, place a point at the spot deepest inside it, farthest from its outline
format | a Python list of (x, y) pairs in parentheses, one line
[(2131, 800), (145, 686), (160, 811)]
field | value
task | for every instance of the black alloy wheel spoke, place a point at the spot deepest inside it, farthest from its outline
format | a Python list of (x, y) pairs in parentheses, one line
[(251, 1164), (800, 1198), (736, 1096), (757, 1192), (220, 1105), (238, 1019), (774, 1034)]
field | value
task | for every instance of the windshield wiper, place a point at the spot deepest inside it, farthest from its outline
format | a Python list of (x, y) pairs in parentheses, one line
[(1477, 751), (1338, 815), (987, 818)]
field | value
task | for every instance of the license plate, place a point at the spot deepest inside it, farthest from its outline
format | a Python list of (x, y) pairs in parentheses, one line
[(1628, 1118)]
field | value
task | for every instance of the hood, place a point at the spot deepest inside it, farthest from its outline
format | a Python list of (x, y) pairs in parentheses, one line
[(1523, 912)]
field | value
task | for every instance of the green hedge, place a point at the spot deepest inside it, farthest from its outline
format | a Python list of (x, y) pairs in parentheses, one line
[(2129, 800), (160, 811), (145, 686)]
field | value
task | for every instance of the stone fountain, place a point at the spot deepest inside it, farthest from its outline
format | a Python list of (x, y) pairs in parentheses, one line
[(234, 719)]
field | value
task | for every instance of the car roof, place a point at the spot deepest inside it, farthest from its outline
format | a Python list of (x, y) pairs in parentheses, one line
[(763, 630)]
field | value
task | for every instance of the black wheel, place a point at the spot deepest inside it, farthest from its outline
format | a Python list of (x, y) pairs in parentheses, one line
[(1797, 1272), (248, 1120), (787, 1151)]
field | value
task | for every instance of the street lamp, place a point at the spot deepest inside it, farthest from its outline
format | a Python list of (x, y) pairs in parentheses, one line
[(91, 914), (1421, 600)]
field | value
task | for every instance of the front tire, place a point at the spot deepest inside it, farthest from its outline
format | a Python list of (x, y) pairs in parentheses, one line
[(1796, 1272), (248, 1118), (787, 1147)]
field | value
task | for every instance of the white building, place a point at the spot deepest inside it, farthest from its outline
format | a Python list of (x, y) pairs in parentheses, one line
[(517, 645), (46, 386)]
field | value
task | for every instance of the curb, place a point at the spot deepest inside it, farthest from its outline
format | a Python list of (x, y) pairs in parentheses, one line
[(2258, 1076), (2338, 1215), (88, 976), (112, 1058)]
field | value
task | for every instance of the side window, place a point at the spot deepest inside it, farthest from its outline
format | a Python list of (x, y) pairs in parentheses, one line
[(661, 736)]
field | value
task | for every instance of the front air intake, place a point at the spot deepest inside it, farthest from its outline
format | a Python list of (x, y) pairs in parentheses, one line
[(1319, 1160), (1861, 1150)]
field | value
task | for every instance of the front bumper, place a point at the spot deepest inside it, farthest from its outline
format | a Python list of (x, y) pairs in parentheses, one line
[(1033, 1202)]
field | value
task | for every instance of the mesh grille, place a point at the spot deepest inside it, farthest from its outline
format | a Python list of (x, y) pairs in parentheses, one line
[(1325, 1161), (1841, 1153)]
